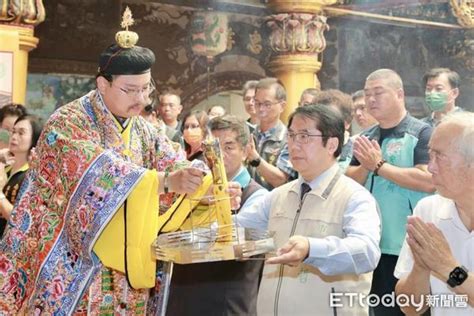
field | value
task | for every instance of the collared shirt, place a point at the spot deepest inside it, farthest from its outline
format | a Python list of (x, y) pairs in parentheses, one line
[(358, 251), (431, 121), (243, 178), (174, 133), (285, 165), (11, 189), (442, 212), (251, 126), (268, 145)]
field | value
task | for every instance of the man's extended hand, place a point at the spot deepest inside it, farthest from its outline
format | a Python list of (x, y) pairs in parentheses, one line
[(292, 253), (186, 180)]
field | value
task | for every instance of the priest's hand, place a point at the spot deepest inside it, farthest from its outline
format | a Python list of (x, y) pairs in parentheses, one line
[(294, 252), (186, 180)]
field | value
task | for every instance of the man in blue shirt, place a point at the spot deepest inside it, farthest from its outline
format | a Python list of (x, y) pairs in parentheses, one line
[(331, 221)]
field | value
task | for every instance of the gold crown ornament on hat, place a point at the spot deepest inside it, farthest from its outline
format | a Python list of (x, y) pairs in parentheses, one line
[(126, 39)]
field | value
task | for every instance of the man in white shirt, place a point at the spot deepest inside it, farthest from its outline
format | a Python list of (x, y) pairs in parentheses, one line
[(331, 221), (437, 258)]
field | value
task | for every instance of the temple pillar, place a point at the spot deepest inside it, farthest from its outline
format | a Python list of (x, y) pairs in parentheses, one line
[(17, 22), (297, 38)]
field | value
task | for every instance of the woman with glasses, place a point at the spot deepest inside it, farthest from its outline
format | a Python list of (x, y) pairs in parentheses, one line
[(8, 115), (194, 131), (24, 136)]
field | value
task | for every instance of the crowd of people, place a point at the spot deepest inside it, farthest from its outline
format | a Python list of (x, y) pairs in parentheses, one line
[(384, 214)]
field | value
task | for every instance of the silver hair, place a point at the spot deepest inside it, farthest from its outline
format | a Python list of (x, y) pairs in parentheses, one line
[(463, 141), (272, 83), (249, 85), (178, 98), (391, 77), (357, 95)]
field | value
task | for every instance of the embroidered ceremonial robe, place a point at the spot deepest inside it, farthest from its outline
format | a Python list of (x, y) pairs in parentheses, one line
[(91, 190)]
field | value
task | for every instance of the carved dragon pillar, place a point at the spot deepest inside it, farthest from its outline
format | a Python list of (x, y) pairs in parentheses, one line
[(296, 39), (17, 21)]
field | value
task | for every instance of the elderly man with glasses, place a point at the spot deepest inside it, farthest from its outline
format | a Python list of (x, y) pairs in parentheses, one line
[(269, 136), (331, 221)]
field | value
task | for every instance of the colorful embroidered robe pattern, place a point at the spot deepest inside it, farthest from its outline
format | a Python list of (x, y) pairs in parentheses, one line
[(84, 175)]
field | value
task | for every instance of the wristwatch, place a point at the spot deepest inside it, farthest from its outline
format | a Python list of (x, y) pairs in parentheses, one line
[(255, 162), (457, 276)]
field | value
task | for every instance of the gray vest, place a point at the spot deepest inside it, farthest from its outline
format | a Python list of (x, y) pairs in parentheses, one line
[(304, 290)]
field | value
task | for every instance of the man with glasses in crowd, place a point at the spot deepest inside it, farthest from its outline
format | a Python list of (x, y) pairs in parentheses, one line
[(331, 221), (269, 135), (78, 241)]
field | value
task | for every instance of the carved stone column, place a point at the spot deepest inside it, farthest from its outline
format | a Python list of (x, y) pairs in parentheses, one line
[(296, 39), (461, 49), (17, 21)]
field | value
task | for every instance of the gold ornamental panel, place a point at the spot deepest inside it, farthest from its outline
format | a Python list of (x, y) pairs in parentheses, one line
[(309, 6)]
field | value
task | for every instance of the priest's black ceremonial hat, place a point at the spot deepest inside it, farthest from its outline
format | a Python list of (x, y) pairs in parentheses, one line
[(116, 60), (124, 58)]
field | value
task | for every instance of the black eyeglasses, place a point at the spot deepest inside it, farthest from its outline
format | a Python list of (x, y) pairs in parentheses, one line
[(302, 138), (265, 105)]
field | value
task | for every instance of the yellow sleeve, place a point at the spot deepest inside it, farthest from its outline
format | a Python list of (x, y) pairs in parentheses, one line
[(141, 219)]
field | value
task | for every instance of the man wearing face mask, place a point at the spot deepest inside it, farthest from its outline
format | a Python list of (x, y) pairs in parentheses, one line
[(441, 91)]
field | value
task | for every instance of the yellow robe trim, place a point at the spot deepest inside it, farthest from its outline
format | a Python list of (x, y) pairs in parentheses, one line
[(142, 228), (22, 168), (177, 217)]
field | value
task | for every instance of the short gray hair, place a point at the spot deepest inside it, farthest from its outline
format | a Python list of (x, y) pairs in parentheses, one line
[(391, 77), (234, 124), (268, 83), (463, 141), (310, 91), (249, 85), (357, 95), (170, 94)]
